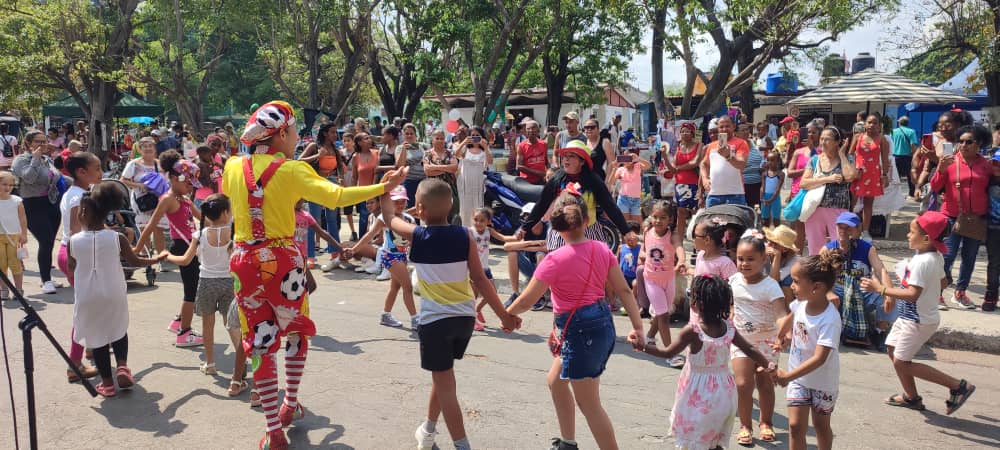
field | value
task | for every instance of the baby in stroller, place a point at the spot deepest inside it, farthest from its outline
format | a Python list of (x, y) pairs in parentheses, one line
[(122, 219)]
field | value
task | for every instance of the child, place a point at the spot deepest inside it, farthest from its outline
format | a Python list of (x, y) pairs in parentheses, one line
[(919, 318), (993, 236), (303, 223), (85, 169), (813, 362), (628, 254), (215, 283), (770, 191), (13, 234), (446, 259), (393, 254), (664, 257), (100, 310), (705, 403), (630, 196), (711, 238), (180, 212), (371, 258), (783, 254), (583, 332), (758, 302), (481, 233)]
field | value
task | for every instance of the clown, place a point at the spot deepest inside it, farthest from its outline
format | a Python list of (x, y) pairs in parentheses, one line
[(267, 266)]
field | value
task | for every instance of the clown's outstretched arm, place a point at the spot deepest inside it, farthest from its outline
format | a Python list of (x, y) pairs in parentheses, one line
[(331, 195)]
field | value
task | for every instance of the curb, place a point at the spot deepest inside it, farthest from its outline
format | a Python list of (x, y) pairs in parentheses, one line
[(974, 340)]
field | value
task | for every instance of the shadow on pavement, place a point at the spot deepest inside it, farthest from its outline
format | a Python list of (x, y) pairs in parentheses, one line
[(330, 344), (298, 438), (964, 428), (516, 335)]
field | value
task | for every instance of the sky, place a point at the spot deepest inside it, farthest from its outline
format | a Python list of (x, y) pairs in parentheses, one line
[(864, 38)]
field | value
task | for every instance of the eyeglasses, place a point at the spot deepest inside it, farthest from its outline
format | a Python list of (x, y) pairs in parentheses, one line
[(968, 142), (590, 127)]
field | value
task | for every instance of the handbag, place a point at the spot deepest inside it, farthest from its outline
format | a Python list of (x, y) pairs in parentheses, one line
[(967, 224), (811, 201), (793, 209), (147, 202)]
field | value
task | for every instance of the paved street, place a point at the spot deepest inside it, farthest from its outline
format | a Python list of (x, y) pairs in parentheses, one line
[(363, 387)]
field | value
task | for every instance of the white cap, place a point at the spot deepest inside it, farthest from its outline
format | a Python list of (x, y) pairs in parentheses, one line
[(527, 208), (156, 132), (713, 124)]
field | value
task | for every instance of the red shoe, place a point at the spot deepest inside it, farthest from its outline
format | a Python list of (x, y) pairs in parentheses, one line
[(125, 380), (480, 318), (478, 326), (106, 391), (286, 414), (311, 263), (274, 440)]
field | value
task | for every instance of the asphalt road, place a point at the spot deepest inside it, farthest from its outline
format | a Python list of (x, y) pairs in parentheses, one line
[(363, 387)]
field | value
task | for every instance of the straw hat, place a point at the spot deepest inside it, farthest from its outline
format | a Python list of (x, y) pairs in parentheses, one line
[(783, 236)]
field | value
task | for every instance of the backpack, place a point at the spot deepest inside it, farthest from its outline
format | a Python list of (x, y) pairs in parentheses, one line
[(8, 150)]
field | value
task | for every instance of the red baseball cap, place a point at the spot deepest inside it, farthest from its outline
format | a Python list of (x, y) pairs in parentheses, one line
[(577, 148), (786, 120), (935, 224)]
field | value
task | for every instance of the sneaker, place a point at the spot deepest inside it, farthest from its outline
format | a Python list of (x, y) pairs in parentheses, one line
[(373, 268), (425, 440), (311, 263), (989, 304), (478, 326), (942, 306), (389, 321), (344, 265), (333, 264), (480, 318), (175, 325), (963, 300), (287, 414), (48, 287), (274, 440), (650, 341), (365, 264), (510, 300), (124, 377), (106, 390), (676, 362), (644, 314), (539, 305), (559, 444), (383, 276), (188, 339), (623, 312), (415, 323)]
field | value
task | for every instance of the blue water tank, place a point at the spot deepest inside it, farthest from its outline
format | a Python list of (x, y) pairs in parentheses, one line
[(780, 83), (863, 61)]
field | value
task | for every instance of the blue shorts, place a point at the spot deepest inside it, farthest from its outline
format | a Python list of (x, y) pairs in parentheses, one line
[(588, 342), (772, 210), (390, 257), (733, 199), (630, 205), (686, 196)]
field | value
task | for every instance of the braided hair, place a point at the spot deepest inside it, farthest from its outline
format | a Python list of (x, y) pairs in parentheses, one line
[(713, 296), (824, 267)]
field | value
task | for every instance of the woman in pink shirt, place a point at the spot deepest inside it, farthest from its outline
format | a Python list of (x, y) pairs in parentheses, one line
[(583, 334), (630, 195)]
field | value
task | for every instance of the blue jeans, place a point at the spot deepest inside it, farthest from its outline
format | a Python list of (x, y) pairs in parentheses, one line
[(527, 262), (588, 341), (332, 227), (735, 199), (969, 248), (411, 191), (363, 213)]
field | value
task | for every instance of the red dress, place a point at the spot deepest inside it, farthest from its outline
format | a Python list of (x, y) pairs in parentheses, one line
[(869, 162)]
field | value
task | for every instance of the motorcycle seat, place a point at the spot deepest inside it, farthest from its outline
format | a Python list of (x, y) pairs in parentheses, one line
[(526, 191)]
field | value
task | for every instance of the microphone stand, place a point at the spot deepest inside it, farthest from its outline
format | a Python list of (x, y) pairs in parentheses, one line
[(30, 322)]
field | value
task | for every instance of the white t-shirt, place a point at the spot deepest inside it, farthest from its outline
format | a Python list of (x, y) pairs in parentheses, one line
[(753, 304), (482, 246), (10, 223), (809, 332), (134, 171), (925, 270), (70, 200), (726, 178)]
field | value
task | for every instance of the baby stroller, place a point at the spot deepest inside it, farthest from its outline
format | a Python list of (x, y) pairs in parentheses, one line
[(122, 219), (738, 219)]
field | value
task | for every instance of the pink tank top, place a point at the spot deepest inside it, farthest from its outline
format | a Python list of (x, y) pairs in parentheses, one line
[(660, 255), (181, 223), (801, 160)]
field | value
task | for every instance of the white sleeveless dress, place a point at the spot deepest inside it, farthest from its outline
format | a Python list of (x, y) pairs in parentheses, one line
[(100, 309), (471, 185)]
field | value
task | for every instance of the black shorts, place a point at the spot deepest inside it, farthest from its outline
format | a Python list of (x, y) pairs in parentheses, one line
[(443, 341), (349, 209), (189, 273)]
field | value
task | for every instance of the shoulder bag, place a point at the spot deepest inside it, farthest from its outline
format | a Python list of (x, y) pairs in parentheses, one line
[(556, 340), (968, 224)]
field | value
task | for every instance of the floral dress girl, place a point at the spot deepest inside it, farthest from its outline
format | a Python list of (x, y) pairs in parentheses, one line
[(705, 405)]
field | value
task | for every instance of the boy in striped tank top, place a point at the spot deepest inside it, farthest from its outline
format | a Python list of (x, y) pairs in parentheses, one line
[(447, 264)]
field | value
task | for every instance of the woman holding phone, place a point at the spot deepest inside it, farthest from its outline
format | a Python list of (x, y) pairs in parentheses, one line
[(474, 156)]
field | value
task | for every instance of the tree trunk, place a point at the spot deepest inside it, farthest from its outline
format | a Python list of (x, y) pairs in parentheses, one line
[(992, 79), (715, 90), (659, 35), (102, 118), (746, 93), (555, 73)]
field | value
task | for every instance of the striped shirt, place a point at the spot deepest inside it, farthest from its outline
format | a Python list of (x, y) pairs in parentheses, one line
[(441, 257)]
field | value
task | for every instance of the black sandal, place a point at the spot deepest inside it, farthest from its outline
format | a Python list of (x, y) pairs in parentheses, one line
[(916, 403), (959, 396)]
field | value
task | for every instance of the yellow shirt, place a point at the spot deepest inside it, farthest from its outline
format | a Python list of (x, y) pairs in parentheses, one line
[(295, 180)]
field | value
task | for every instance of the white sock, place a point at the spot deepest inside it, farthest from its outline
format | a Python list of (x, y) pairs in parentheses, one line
[(430, 426)]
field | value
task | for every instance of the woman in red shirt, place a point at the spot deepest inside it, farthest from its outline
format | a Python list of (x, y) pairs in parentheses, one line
[(687, 158), (965, 179)]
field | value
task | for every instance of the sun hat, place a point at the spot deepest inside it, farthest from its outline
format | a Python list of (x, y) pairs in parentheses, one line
[(848, 218), (935, 224), (399, 193), (578, 148), (783, 236)]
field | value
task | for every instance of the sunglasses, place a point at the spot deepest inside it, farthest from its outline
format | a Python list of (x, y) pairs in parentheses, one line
[(590, 127)]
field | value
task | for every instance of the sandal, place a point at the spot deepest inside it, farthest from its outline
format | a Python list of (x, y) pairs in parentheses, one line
[(237, 387), (208, 369), (87, 371), (959, 396), (124, 377), (916, 403), (766, 432), (106, 390), (745, 437), (254, 399)]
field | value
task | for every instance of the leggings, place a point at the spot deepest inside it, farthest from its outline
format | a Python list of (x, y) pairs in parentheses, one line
[(821, 223), (43, 223), (189, 273), (102, 356)]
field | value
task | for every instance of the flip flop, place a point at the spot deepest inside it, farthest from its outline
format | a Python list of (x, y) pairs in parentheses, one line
[(766, 432), (901, 401), (745, 437)]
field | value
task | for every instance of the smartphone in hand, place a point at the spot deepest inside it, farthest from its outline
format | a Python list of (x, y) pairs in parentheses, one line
[(624, 159), (724, 138), (947, 149)]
